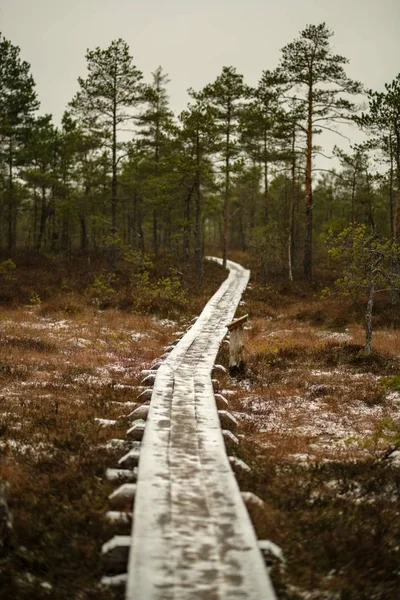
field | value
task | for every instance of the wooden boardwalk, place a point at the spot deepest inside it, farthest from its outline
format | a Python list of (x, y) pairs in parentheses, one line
[(192, 538)]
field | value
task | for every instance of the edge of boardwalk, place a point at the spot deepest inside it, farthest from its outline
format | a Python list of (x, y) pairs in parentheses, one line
[(192, 537)]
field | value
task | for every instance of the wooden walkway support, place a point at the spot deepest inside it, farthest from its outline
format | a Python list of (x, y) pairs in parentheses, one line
[(236, 329), (192, 538)]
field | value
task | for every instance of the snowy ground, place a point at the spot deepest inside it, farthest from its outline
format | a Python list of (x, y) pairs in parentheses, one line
[(70, 382)]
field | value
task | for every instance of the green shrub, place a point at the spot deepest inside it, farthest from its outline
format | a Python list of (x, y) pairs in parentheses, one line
[(101, 291), (391, 383), (8, 268)]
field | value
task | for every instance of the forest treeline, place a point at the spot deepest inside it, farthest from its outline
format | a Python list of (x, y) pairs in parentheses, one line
[(236, 169)]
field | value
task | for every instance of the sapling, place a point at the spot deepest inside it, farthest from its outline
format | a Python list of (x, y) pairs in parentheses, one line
[(367, 261)]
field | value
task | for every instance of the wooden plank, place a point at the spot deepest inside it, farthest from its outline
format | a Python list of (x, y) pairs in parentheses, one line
[(192, 537), (237, 323)]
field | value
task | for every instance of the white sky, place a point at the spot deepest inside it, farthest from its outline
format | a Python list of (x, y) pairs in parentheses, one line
[(193, 39)]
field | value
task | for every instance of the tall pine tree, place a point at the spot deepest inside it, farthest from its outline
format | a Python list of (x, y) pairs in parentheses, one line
[(105, 102), (225, 95), (320, 84), (18, 102)]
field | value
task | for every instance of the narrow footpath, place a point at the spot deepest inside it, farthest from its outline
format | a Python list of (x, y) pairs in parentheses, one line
[(192, 537)]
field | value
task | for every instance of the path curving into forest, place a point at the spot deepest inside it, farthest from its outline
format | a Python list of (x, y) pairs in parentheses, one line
[(192, 537)]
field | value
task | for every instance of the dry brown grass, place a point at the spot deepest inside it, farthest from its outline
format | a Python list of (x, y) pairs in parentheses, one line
[(65, 368), (316, 420)]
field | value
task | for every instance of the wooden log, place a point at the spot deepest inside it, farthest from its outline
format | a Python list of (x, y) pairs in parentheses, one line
[(145, 395), (272, 553), (140, 413), (149, 379), (227, 420), (130, 460), (118, 475), (118, 516), (115, 553), (238, 464), (230, 439), (219, 369), (251, 499), (236, 344), (122, 496), (115, 581), (136, 432), (221, 402)]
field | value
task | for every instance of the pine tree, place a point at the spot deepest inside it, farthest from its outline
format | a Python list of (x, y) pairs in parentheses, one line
[(105, 102), (40, 174), (18, 103), (155, 128), (262, 127), (354, 181), (321, 85), (225, 95), (383, 119), (198, 138)]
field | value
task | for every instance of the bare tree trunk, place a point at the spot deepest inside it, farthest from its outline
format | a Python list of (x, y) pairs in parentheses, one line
[(242, 233), (35, 217), (368, 319), (291, 221), (42, 221), (371, 219), (226, 216), (11, 203), (308, 262), (198, 251), (353, 197), (266, 186), (391, 182), (198, 233), (187, 228), (140, 230), (155, 232), (84, 236), (227, 190), (114, 183), (395, 296)]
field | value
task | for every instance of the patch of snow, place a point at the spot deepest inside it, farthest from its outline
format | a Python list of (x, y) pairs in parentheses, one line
[(116, 367), (280, 333), (45, 384), (64, 324), (92, 380), (334, 335), (300, 457), (25, 448), (105, 422), (318, 373), (127, 403), (393, 396), (121, 386), (136, 337), (46, 585), (80, 342), (114, 444), (164, 322), (394, 457)]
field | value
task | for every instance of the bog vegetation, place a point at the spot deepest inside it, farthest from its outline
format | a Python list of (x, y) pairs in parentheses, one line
[(105, 220)]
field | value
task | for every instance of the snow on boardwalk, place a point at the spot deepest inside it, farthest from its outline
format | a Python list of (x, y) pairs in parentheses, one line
[(192, 538)]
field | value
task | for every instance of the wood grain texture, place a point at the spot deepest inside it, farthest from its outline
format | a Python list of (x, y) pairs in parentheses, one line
[(192, 538)]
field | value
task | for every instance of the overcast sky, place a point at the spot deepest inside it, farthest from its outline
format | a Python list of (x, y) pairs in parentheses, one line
[(193, 39)]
